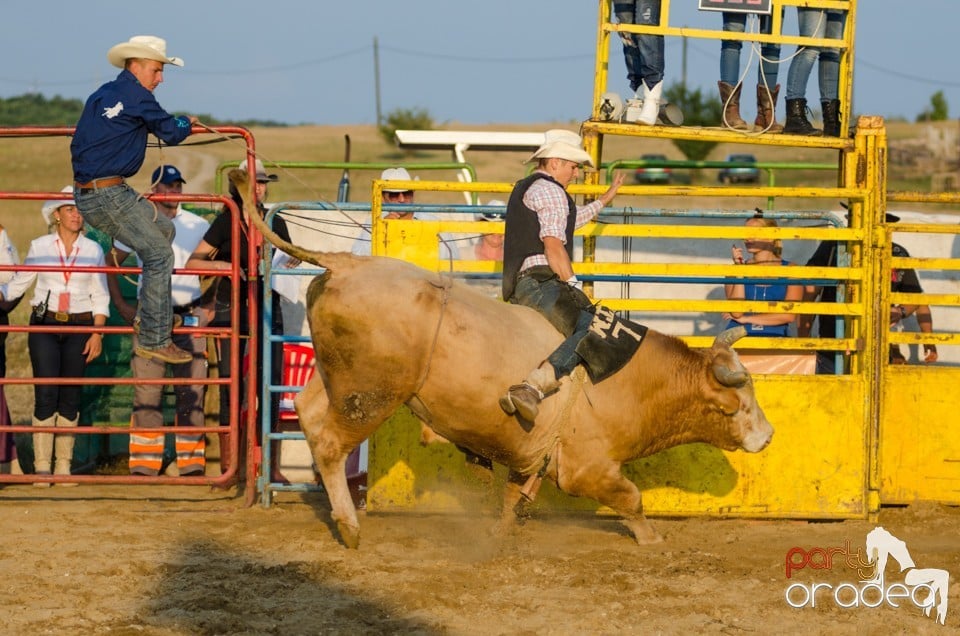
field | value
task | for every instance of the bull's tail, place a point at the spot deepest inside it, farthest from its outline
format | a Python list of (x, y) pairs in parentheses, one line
[(329, 260)]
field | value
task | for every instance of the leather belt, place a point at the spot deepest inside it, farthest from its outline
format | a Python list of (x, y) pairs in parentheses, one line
[(62, 316), (96, 184)]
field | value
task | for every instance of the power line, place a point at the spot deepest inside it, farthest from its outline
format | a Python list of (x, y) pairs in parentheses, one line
[(489, 60)]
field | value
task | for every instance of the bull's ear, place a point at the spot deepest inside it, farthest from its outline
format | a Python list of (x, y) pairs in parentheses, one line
[(728, 402)]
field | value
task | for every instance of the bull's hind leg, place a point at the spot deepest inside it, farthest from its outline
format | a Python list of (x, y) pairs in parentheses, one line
[(330, 441), (607, 485)]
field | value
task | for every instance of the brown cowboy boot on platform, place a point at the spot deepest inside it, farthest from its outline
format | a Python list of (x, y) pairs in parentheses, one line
[(766, 120), (730, 100), (524, 399)]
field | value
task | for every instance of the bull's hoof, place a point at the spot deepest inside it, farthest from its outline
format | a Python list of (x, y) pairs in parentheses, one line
[(350, 535), (646, 535)]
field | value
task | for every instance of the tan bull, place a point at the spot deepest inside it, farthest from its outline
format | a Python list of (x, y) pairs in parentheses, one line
[(388, 333)]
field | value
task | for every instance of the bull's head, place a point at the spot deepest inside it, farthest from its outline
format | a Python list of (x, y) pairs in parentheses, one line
[(750, 426)]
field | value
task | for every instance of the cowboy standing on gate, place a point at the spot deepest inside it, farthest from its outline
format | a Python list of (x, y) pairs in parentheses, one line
[(109, 146)]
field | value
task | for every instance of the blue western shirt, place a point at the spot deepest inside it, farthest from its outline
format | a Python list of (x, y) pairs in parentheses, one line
[(111, 136)]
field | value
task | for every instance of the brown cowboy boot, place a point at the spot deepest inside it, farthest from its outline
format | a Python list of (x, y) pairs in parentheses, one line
[(766, 120), (525, 398), (730, 99)]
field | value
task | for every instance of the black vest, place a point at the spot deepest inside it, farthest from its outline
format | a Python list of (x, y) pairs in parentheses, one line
[(522, 231)]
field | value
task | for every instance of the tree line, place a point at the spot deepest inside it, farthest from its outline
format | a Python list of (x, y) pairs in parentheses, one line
[(33, 109)]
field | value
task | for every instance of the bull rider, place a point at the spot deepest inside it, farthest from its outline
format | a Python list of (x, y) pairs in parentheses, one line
[(537, 254)]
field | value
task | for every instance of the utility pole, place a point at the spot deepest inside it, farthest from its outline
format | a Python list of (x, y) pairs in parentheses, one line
[(376, 77), (683, 62)]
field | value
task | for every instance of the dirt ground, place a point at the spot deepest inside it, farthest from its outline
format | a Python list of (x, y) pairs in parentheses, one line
[(164, 560)]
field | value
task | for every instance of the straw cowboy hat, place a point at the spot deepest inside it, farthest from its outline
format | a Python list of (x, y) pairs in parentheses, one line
[(51, 206), (562, 144), (147, 47)]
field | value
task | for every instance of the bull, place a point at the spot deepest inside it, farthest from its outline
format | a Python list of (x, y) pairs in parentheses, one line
[(387, 333)]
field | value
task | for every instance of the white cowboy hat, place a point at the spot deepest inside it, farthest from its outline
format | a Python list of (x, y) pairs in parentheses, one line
[(51, 206), (148, 47), (396, 174), (562, 144)]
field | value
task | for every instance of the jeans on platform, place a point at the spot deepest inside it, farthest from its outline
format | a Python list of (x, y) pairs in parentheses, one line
[(817, 23), (767, 68), (122, 214), (643, 54), (567, 310), (829, 71)]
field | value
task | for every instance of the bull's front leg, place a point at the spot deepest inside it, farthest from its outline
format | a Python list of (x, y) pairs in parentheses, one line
[(607, 485), (329, 450), (513, 504)]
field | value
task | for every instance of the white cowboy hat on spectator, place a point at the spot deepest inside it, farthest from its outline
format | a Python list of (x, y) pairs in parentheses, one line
[(492, 216), (262, 176), (147, 47), (561, 144), (49, 207), (396, 174)]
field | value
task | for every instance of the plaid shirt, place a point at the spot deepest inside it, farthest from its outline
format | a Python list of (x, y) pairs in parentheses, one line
[(549, 201)]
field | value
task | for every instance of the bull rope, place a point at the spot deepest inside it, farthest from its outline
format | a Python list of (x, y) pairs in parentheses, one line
[(552, 453), (444, 286)]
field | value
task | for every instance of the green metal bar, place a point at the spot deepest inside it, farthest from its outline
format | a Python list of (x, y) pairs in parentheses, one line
[(347, 165), (770, 166), (763, 165)]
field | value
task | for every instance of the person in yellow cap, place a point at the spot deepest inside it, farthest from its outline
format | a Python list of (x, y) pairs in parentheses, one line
[(537, 260), (108, 147)]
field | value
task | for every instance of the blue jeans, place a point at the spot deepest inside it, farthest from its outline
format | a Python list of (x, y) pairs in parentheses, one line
[(768, 66), (643, 54), (817, 23), (567, 310), (120, 213), (829, 70)]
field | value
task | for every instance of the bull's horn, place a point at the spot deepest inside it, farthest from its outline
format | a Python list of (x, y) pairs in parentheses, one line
[(728, 337), (729, 377)]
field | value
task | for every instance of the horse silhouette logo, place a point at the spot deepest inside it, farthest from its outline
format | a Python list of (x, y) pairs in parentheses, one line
[(882, 545)]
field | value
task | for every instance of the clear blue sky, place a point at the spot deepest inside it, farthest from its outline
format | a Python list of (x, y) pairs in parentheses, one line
[(490, 61)]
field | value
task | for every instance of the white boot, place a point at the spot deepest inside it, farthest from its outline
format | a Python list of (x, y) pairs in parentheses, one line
[(651, 104), (43, 450), (64, 448)]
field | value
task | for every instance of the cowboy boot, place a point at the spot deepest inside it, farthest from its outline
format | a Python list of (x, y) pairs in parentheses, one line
[(730, 100), (766, 120), (831, 117), (43, 450), (651, 104), (797, 122), (525, 398), (63, 448)]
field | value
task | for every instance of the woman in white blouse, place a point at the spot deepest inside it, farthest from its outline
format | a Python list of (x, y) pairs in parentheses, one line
[(61, 298)]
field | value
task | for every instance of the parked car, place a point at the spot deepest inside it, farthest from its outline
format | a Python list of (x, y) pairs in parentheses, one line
[(745, 174), (651, 174)]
